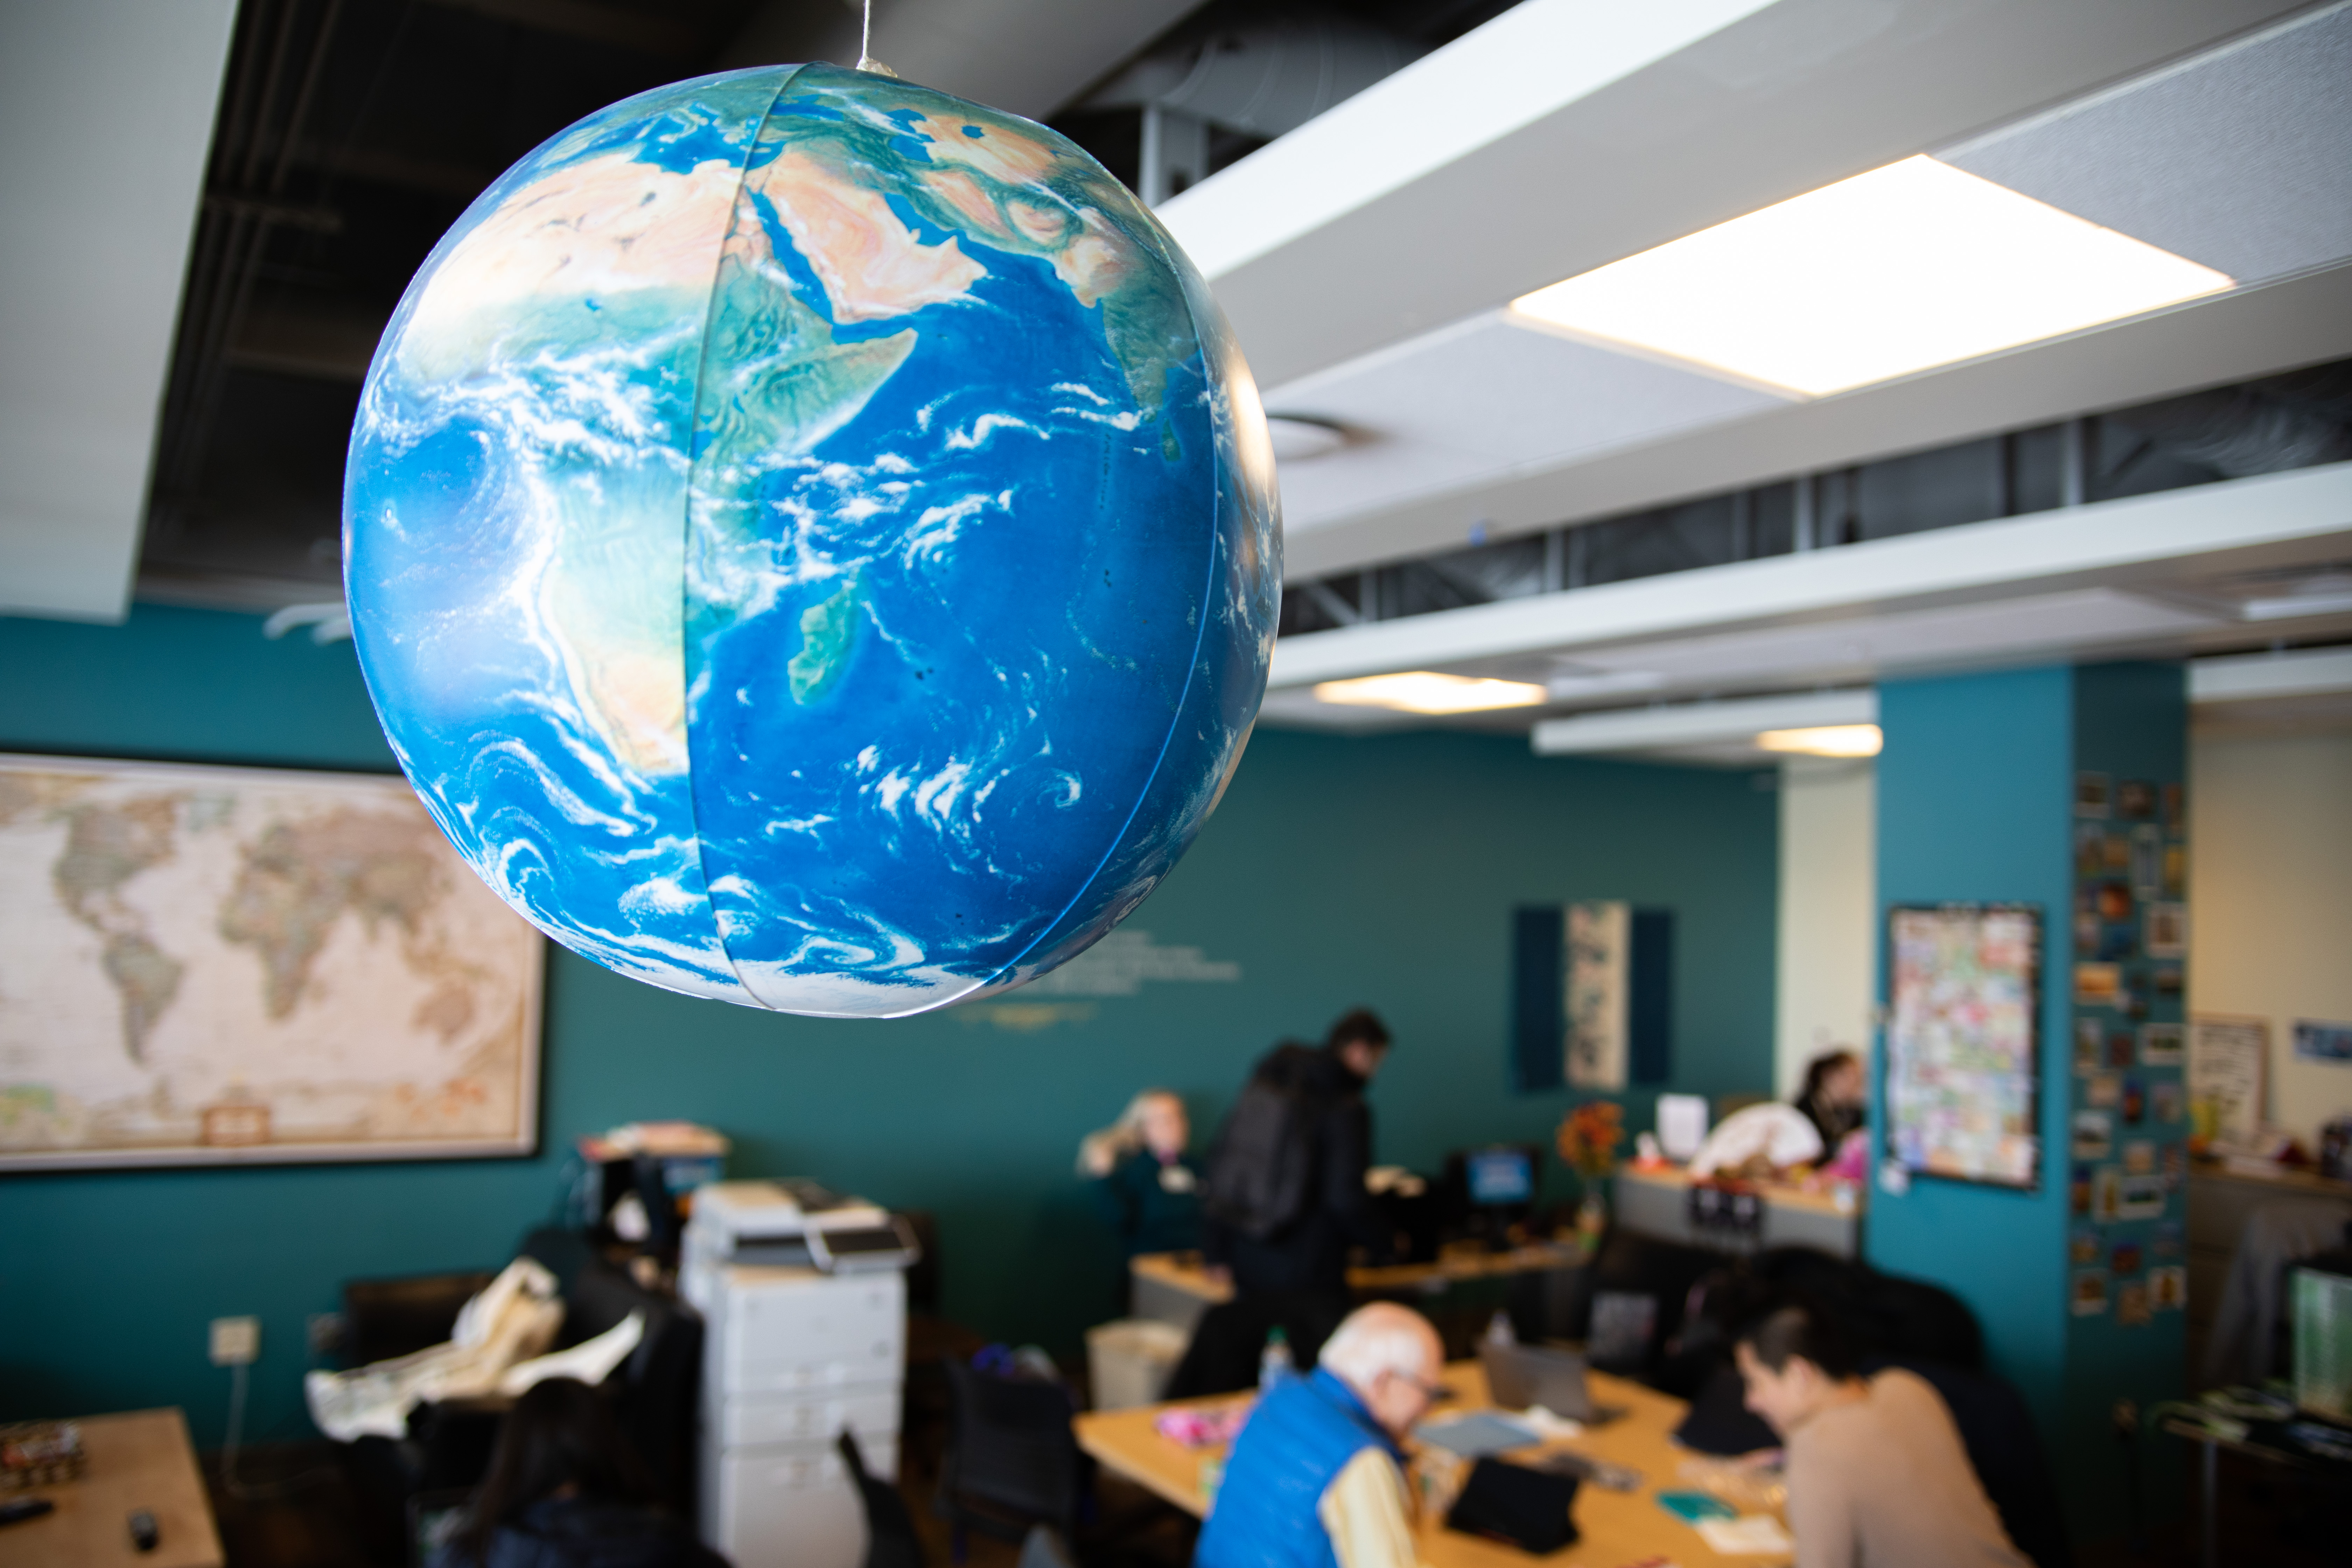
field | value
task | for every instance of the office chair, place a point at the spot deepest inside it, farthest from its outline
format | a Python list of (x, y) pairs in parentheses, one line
[(1012, 1461), (890, 1538)]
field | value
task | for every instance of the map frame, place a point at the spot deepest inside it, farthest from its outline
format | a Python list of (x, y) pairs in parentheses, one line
[(1904, 1054), (521, 1139)]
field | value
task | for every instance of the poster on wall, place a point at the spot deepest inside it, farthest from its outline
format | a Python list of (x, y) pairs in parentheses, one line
[(2225, 1077), (1963, 1076), (208, 965), (1600, 955)]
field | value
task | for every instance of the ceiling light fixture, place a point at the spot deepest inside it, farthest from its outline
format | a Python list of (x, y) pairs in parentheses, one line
[(1904, 268), (1824, 741), (1426, 691)]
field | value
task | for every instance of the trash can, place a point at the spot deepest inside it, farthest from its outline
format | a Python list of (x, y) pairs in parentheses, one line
[(1129, 1361)]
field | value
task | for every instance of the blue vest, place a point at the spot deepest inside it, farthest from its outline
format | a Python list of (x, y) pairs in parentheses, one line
[(1300, 1437)]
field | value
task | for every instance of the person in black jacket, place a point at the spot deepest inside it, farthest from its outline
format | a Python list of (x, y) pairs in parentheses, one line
[(1295, 1274), (565, 1491)]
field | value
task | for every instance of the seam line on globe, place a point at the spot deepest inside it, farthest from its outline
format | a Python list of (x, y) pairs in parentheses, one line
[(1200, 638), (685, 529)]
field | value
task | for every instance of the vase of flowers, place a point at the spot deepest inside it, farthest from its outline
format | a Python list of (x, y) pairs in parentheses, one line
[(1588, 1139)]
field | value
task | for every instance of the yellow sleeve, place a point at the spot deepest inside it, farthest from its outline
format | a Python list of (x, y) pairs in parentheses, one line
[(1364, 1511)]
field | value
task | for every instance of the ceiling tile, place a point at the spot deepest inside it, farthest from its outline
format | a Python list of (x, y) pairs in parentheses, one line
[(2240, 158), (1479, 400)]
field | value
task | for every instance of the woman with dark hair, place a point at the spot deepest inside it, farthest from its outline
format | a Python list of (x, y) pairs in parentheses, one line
[(1877, 1469), (565, 1491), (1833, 1098)]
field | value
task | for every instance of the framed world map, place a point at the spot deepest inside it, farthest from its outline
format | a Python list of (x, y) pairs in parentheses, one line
[(209, 965)]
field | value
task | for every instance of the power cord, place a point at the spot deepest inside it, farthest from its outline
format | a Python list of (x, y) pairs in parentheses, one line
[(259, 1491)]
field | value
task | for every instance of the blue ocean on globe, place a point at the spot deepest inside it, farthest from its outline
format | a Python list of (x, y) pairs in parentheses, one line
[(812, 542)]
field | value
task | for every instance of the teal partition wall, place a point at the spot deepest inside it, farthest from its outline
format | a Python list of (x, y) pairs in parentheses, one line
[(1977, 802), (1973, 790), (1337, 872)]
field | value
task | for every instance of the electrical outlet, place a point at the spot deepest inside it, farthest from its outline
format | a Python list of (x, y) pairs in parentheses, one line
[(236, 1342)]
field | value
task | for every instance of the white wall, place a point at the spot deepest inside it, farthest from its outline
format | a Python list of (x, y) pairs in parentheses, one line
[(2270, 901), (1829, 864)]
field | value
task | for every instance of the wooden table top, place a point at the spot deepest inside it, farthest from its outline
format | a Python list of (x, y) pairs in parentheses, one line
[(1618, 1529), (141, 1458), (1182, 1270)]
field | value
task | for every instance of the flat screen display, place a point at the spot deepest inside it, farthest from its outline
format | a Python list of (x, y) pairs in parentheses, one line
[(1501, 1177)]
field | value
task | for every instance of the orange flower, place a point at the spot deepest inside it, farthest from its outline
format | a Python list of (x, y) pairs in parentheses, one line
[(1588, 1136)]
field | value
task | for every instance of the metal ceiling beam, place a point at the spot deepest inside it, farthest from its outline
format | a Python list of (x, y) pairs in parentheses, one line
[(2240, 523), (661, 33)]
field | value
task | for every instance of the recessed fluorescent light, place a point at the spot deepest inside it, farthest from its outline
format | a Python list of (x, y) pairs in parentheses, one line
[(1905, 267), (1426, 691), (1824, 741)]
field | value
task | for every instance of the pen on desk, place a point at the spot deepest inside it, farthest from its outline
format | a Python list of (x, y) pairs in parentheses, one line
[(17, 1510)]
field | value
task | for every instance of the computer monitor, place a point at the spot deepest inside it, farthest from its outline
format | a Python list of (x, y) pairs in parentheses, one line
[(1499, 1177), (1489, 1190)]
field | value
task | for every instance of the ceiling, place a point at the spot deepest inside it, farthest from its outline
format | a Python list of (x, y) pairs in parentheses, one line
[(1366, 257), (2192, 126), (2220, 132)]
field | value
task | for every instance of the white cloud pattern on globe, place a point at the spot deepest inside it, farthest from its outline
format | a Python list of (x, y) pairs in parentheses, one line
[(812, 542)]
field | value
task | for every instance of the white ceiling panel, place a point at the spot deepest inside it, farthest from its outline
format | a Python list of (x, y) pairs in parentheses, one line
[(105, 108), (1481, 399), (1781, 100), (2240, 158), (1859, 648)]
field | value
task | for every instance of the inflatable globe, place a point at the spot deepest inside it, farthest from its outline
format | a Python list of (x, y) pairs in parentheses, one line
[(810, 541)]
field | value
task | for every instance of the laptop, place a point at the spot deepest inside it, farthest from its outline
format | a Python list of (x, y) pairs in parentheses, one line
[(1520, 1376)]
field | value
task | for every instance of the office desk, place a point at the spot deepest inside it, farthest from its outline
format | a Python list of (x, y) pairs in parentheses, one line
[(1617, 1528), (1174, 1286), (1657, 1203), (2265, 1440), (138, 1459)]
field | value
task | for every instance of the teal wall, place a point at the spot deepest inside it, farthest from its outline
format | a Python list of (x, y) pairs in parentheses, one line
[(1975, 783), (1337, 872), (1975, 804), (2131, 721)]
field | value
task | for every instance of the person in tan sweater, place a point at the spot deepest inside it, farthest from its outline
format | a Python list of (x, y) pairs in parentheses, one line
[(1878, 1477)]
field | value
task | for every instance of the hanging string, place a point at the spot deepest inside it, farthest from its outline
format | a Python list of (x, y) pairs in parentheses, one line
[(865, 60)]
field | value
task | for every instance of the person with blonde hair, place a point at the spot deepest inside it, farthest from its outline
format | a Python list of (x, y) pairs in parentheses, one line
[(1143, 1181), (1315, 1477)]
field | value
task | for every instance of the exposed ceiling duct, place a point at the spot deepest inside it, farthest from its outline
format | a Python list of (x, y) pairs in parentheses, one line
[(1263, 73), (1029, 57)]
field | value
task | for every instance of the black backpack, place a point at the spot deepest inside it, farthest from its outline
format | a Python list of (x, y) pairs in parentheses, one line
[(1263, 1165)]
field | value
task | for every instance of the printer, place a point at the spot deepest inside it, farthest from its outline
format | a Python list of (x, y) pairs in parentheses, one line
[(804, 1293), (794, 1223)]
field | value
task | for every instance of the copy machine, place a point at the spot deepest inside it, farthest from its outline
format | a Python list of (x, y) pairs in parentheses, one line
[(804, 1293)]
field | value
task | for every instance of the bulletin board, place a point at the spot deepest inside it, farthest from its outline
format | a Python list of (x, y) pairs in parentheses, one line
[(1963, 1070)]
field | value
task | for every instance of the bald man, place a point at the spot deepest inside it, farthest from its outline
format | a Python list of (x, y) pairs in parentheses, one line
[(1316, 1478)]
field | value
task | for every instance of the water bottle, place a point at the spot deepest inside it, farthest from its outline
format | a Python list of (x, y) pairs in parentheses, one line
[(1499, 1330), (1274, 1361)]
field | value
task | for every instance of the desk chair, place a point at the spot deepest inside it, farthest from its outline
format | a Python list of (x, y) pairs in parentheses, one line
[(890, 1538), (448, 1446), (1012, 1461)]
